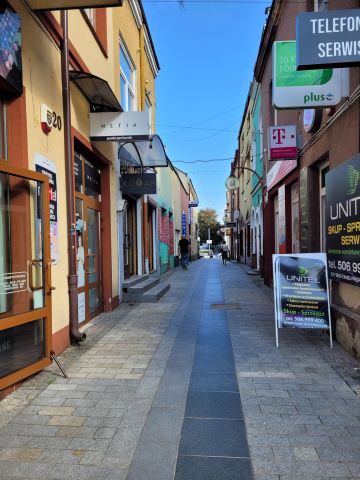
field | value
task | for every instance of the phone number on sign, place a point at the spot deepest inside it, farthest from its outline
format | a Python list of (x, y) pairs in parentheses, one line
[(344, 266)]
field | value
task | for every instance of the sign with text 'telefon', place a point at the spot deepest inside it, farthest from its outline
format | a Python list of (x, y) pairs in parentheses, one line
[(330, 39)]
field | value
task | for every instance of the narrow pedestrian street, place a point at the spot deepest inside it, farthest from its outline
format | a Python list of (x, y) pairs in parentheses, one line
[(190, 388)]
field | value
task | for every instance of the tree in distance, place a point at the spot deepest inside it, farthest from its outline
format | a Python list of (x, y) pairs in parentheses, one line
[(207, 218)]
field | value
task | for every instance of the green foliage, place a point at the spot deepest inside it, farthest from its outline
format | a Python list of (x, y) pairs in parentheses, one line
[(207, 218)]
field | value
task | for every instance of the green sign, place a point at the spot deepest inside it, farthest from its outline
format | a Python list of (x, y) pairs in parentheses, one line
[(305, 89)]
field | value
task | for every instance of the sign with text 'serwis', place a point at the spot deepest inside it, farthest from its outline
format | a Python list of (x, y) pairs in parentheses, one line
[(330, 38), (138, 184), (343, 222)]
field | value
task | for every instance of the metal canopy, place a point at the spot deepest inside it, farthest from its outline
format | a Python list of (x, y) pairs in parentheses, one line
[(71, 4), (148, 153), (97, 91)]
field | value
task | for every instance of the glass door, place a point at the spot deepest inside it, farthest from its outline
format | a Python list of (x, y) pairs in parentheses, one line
[(25, 274), (92, 262)]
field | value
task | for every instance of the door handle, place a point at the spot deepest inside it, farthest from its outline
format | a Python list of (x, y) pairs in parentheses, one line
[(94, 256), (31, 264), (50, 287)]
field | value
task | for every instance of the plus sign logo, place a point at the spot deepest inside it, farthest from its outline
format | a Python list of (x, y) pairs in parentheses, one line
[(283, 142)]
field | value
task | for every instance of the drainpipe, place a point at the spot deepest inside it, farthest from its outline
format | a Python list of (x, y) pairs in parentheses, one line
[(75, 335)]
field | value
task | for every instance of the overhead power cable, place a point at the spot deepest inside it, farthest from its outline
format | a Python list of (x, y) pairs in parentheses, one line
[(195, 128), (218, 159)]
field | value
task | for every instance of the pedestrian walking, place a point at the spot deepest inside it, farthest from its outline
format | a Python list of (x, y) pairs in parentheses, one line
[(224, 252), (184, 245)]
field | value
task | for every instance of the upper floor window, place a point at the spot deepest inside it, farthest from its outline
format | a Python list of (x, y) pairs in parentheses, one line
[(90, 13), (320, 5), (127, 81)]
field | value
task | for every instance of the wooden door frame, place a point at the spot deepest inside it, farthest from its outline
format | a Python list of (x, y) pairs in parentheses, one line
[(45, 312)]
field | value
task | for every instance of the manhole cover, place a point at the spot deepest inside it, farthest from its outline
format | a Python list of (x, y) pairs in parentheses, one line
[(225, 306)]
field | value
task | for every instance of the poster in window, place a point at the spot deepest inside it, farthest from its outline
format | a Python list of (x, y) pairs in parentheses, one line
[(47, 167)]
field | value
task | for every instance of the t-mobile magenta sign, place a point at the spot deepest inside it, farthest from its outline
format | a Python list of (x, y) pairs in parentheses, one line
[(283, 142)]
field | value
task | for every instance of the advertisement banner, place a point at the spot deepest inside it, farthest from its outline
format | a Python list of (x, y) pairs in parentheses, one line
[(283, 142), (343, 222), (279, 171), (282, 219), (183, 224), (307, 89), (301, 291), (48, 168), (329, 38)]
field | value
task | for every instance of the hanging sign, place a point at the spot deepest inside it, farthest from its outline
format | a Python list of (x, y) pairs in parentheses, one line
[(283, 143), (343, 222), (301, 292), (230, 224), (48, 168), (330, 38), (193, 203), (183, 224), (123, 126), (138, 184), (308, 89), (279, 171)]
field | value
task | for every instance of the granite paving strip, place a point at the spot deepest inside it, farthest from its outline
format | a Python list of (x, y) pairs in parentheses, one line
[(302, 417), (213, 443)]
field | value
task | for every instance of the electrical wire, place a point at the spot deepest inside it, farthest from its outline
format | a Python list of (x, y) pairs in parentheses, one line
[(195, 128), (219, 159)]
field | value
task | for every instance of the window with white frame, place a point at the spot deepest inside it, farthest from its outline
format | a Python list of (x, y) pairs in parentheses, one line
[(90, 13), (323, 170), (127, 81), (148, 108)]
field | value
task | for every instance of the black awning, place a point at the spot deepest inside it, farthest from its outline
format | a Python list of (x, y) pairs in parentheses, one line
[(68, 4), (145, 153), (97, 91)]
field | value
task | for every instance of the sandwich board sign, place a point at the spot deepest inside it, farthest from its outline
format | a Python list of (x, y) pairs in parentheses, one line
[(328, 39), (306, 89), (301, 292)]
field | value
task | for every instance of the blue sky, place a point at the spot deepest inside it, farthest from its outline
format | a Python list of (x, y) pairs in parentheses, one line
[(207, 53)]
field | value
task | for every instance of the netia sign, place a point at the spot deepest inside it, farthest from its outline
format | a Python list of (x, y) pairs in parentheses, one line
[(330, 39)]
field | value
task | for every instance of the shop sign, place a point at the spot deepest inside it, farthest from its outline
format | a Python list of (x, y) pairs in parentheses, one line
[(48, 168), (301, 292), (343, 222), (190, 216), (119, 126), (230, 224), (330, 39), (283, 142), (138, 184), (282, 219), (10, 50), (193, 203), (307, 89), (279, 171), (183, 224)]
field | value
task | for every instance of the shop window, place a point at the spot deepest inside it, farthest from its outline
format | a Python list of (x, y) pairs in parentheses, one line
[(323, 170), (295, 221), (127, 81), (276, 222)]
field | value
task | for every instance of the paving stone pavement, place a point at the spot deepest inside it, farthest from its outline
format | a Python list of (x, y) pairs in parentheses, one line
[(120, 415)]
